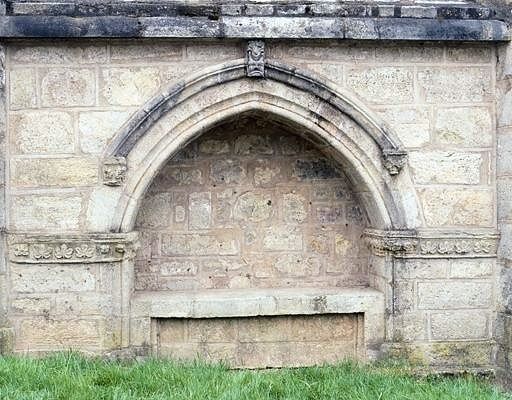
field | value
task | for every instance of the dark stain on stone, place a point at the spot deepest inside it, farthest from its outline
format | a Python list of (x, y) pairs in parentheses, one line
[(315, 169)]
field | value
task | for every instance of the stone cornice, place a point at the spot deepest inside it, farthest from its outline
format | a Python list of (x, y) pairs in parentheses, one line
[(315, 20), (426, 244), (71, 249)]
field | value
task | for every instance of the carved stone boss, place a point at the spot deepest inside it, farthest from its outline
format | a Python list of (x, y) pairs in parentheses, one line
[(255, 58), (114, 171), (394, 161), (75, 249)]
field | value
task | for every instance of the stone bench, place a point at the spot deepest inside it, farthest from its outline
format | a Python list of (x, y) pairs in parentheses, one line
[(148, 309)]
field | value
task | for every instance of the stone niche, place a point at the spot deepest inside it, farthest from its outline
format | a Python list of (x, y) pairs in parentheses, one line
[(244, 232)]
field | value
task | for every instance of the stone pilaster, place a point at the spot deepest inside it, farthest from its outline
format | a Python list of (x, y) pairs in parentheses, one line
[(504, 204)]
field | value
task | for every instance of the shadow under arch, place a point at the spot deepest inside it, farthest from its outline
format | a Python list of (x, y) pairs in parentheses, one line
[(370, 154)]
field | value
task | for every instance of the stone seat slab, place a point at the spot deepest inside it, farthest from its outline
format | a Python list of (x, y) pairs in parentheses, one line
[(220, 303)]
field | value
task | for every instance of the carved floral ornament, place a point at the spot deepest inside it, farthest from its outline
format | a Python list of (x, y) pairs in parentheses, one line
[(47, 249), (409, 244)]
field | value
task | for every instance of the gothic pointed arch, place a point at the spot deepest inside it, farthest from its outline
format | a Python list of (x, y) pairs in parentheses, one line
[(371, 154)]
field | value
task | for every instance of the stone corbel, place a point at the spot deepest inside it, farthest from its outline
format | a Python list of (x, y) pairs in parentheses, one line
[(414, 244), (255, 58), (72, 249), (394, 160), (114, 171)]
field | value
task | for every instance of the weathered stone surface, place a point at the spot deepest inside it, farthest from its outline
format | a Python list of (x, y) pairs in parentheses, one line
[(155, 211), (253, 206), (262, 341), (469, 54), (200, 210), (266, 174), (297, 265), (68, 87), (128, 86), (420, 52), (23, 91), (214, 146), (459, 325), (330, 215), (471, 268), (411, 125), (123, 53), (58, 55), (294, 208), (454, 295), (178, 268), (454, 23), (453, 85), (464, 126), (45, 212), (284, 237), (223, 243), (31, 305), (84, 304), (253, 144), (445, 207), (446, 167), (315, 169), (43, 132), (343, 246), (63, 172), (383, 85), (227, 172), (53, 279), (99, 208), (423, 269), (44, 334), (185, 175), (97, 128)]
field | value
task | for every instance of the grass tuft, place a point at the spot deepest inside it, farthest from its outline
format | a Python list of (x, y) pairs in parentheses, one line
[(72, 376)]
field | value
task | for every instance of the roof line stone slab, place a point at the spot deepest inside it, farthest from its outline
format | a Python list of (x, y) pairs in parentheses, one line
[(247, 27)]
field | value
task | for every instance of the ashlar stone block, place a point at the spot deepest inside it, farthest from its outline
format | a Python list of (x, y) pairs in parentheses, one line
[(446, 167), (459, 324), (98, 127), (63, 87), (43, 132), (462, 207), (464, 126), (62, 172), (46, 212), (382, 85), (454, 295), (23, 91)]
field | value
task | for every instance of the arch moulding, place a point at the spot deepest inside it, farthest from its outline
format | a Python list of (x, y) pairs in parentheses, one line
[(371, 154)]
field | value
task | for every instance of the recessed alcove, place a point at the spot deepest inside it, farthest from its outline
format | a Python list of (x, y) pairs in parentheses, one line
[(250, 215)]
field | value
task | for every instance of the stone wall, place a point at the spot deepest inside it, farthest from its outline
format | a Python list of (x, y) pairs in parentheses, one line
[(263, 341), (250, 205), (70, 278)]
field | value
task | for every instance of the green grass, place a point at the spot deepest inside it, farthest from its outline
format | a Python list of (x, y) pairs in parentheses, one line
[(71, 376)]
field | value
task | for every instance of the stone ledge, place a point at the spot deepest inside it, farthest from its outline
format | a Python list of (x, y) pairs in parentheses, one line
[(238, 27), (257, 302), (433, 244), (215, 10)]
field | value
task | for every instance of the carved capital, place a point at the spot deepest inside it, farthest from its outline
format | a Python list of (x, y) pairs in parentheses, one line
[(71, 249), (114, 171), (255, 58), (391, 242), (394, 161)]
